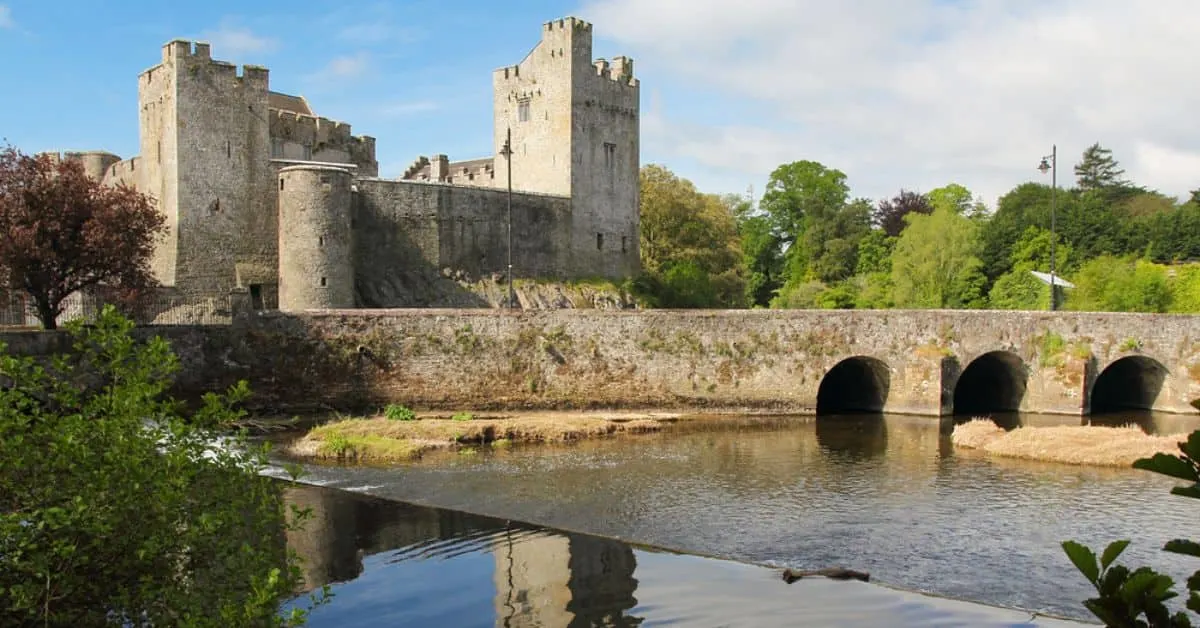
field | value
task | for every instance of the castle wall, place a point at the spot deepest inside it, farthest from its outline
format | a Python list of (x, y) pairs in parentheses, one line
[(159, 141), (302, 137), (315, 239), (533, 99), (408, 230), (126, 172), (605, 176), (227, 212)]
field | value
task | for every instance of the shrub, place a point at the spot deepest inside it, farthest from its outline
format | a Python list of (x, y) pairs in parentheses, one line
[(117, 508), (1125, 596), (397, 412)]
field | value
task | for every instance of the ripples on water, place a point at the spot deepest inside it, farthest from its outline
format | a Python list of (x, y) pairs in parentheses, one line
[(890, 496)]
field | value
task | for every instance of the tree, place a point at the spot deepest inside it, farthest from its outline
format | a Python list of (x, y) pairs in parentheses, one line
[(1098, 170), (1120, 284), (64, 231), (958, 198), (889, 213), (694, 233), (800, 189), (119, 508), (936, 264), (762, 258)]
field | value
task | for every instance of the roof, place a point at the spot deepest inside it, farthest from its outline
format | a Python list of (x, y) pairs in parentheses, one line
[(287, 102)]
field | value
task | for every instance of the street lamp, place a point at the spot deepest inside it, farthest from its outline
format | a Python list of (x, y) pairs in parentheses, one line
[(506, 150), (1052, 166)]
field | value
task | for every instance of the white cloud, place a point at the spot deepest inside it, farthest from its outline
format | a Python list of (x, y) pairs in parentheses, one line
[(6, 18), (342, 68), (230, 41), (919, 93)]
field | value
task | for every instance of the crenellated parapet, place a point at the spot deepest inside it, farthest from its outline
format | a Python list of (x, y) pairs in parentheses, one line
[(439, 169), (197, 57)]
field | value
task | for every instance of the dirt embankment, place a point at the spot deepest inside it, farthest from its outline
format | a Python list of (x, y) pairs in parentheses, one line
[(1069, 444)]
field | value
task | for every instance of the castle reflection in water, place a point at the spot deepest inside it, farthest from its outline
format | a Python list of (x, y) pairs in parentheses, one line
[(541, 577)]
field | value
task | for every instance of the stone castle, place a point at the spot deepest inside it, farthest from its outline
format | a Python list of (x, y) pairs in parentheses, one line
[(262, 195)]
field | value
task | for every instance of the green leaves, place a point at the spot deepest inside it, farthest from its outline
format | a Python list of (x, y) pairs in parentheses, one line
[(147, 515), (1084, 560)]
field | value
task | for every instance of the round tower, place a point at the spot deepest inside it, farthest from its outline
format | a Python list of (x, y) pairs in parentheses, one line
[(316, 268)]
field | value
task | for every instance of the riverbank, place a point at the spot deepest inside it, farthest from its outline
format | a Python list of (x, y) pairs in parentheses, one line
[(1087, 445), (405, 436)]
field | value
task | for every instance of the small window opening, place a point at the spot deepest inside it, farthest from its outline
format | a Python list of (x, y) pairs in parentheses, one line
[(320, 240), (523, 111), (624, 244), (280, 183), (610, 155), (322, 282), (599, 241), (256, 297), (228, 150)]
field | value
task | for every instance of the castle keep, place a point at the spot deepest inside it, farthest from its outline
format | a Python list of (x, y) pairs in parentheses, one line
[(263, 195)]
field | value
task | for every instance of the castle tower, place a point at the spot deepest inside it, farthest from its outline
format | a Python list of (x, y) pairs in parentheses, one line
[(316, 267), (205, 155), (576, 131)]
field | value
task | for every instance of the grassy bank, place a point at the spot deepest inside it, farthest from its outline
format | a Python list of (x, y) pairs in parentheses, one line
[(1070, 444), (383, 439)]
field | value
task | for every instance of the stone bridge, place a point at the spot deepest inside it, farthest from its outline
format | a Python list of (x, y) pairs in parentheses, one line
[(933, 363)]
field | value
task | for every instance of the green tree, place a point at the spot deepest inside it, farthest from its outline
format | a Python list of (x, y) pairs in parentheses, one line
[(800, 196), (762, 258), (1185, 290), (117, 508), (1119, 284), (875, 253), (936, 263), (957, 197), (832, 239), (1098, 170)]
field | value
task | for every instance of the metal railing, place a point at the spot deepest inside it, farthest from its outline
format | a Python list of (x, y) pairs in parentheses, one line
[(18, 312)]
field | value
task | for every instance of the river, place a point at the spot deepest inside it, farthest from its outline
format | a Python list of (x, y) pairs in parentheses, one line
[(888, 495)]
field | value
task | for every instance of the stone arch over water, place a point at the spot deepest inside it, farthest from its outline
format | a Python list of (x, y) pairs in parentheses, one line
[(855, 385), (992, 382), (1130, 383)]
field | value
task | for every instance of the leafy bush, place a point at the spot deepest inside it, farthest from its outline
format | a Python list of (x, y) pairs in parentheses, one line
[(1125, 596), (397, 412), (463, 416), (116, 508)]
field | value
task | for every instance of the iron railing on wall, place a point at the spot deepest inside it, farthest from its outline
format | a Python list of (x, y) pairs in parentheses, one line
[(17, 310)]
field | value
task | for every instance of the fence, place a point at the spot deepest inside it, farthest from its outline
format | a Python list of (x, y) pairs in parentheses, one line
[(17, 310)]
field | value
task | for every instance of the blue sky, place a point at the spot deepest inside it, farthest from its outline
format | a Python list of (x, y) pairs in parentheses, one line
[(912, 94)]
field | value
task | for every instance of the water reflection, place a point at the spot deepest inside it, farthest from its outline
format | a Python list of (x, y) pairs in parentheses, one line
[(392, 563), (540, 578), (885, 494)]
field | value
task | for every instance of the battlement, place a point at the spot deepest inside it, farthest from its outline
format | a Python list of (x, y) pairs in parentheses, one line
[(439, 169), (292, 125), (567, 24), (620, 70), (182, 51)]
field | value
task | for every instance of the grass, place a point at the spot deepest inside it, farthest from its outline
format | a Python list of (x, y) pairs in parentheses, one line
[(381, 439), (1070, 444)]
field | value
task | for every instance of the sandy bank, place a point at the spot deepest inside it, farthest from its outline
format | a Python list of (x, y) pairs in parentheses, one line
[(379, 439), (1069, 444)]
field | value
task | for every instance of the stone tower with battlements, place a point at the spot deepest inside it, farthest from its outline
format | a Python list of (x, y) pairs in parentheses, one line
[(575, 132), (205, 155)]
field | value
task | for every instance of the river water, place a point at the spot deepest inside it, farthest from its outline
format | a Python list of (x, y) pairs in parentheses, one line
[(890, 496)]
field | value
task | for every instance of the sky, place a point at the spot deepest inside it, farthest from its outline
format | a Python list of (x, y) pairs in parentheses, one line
[(911, 94)]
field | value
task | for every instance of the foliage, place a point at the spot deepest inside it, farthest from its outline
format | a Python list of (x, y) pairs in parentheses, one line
[(397, 412), (762, 259), (1185, 290), (936, 264), (798, 190), (65, 231), (1112, 284), (1098, 169), (875, 253), (117, 508), (889, 213), (1139, 597), (689, 242), (958, 198), (463, 416)]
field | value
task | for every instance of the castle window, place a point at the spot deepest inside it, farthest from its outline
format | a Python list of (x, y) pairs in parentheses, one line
[(624, 244), (320, 240), (228, 150), (610, 155), (281, 184), (322, 282), (276, 148), (599, 241), (523, 110)]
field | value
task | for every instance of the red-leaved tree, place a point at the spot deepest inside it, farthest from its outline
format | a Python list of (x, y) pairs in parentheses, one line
[(62, 231)]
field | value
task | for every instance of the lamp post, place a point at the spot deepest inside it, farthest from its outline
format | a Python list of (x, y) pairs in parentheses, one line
[(1052, 166), (507, 152)]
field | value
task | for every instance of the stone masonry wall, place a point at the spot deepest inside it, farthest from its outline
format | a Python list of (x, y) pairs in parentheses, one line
[(455, 359), (407, 232)]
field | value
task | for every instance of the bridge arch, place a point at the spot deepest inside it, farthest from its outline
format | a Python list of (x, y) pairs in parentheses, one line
[(855, 385), (992, 382), (1129, 383)]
